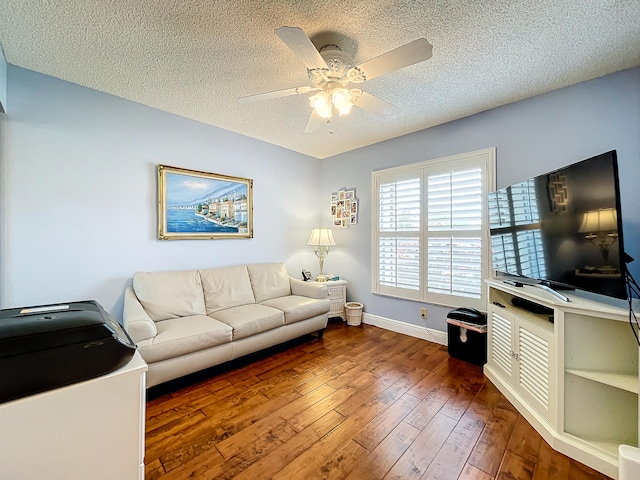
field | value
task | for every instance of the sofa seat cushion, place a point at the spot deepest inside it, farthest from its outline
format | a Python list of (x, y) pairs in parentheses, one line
[(180, 336), (248, 320), (167, 295), (298, 308)]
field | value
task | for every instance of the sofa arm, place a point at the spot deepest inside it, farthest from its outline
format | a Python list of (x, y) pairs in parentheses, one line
[(307, 289), (137, 323)]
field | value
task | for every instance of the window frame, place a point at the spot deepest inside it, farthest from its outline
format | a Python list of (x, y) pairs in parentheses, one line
[(485, 159)]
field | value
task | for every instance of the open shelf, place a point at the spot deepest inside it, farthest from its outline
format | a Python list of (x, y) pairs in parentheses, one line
[(504, 299), (617, 380), (609, 449), (599, 413), (601, 349)]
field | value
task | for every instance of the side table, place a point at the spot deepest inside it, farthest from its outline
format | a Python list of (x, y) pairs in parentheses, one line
[(337, 296)]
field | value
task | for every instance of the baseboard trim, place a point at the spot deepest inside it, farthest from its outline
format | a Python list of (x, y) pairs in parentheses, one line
[(435, 336)]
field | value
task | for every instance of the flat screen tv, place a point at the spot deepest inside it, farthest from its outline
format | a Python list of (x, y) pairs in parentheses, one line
[(562, 229)]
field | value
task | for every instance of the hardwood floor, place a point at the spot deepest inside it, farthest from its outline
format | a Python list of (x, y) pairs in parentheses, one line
[(362, 403)]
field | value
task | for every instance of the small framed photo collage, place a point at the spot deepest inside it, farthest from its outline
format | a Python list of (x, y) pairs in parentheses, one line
[(344, 208)]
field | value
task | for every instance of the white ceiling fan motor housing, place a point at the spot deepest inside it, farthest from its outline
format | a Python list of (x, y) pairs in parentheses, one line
[(340, 70)]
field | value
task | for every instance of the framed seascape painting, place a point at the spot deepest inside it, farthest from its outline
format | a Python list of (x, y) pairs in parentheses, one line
[(200, 205)]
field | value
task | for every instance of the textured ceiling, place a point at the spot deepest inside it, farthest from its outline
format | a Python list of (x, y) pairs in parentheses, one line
[(195, 58)]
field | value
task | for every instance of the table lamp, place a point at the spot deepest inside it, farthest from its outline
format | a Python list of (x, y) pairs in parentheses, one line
[(320, 240)]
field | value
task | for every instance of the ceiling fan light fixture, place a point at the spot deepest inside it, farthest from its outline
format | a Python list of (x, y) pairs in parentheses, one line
[(325, 101), (321, 104), (345, 109), (340, 97)]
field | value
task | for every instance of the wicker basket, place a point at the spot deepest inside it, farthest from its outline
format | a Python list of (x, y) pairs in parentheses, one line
[(354, 313)]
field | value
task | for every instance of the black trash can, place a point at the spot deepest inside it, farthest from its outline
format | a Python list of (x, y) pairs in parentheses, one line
[(467, 335)]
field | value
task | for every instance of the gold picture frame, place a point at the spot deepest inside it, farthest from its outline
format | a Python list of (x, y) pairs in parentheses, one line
[(194, 205)]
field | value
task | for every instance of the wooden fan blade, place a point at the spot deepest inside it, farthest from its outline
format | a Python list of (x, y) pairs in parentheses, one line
[(276, 94), (299, 43), (376, 105), (314, 123), (417, 51)]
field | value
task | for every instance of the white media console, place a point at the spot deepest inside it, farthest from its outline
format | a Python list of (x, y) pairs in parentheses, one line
[(569, 367)]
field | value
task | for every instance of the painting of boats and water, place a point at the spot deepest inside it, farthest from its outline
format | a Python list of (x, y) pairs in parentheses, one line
[(203, 205)]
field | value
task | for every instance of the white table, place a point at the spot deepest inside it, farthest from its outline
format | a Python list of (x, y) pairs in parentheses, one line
[(92, 429)]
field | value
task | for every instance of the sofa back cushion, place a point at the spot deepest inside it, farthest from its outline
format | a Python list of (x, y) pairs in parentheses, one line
[(226, 287), (269, 280), (167, 295)]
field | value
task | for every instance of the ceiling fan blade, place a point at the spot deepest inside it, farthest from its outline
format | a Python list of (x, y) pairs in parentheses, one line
[(417, 51), (276, 94), (376, 105), (314, 123), (299, 43)]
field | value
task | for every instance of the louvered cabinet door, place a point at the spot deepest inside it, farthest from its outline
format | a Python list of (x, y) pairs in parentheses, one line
[(535, 376), (501, 344), (521, 352)]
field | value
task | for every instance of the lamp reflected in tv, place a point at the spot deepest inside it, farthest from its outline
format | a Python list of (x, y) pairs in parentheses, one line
[(601, 228)]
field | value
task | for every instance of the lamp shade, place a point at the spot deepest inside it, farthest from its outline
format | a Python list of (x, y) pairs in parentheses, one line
[(603, 220), (321, 237)]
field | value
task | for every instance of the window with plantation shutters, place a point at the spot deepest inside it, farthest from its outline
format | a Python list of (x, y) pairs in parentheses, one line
[(430, 238), (399, 233), (454, 233)]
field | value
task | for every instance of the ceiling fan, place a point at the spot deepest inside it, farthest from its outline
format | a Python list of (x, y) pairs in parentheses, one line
[(331, 72)]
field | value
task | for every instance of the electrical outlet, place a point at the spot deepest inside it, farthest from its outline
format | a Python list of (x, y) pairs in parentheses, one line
[(423, 313)]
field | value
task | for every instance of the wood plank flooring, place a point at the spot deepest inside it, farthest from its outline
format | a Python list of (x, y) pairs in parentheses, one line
[(362, 403)]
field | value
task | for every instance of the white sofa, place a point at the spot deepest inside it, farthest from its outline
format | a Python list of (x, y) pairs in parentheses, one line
[(186, 321)]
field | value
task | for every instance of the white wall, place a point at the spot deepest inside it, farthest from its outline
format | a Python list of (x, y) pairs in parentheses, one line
[(532, 137), (78, 194)]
